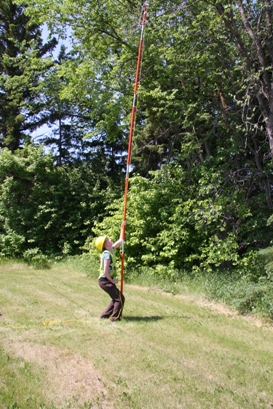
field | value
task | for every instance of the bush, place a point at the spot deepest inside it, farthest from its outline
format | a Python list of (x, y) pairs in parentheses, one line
[(45, 206), (35, 258), (266, 257), (11, 244), (173, 224)]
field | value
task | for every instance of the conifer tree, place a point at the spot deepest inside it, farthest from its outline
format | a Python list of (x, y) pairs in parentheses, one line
[(22, 67)]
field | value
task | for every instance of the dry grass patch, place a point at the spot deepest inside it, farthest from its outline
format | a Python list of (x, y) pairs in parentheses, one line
[(67, 376)]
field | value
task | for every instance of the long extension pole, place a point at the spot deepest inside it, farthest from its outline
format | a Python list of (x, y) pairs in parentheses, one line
[(132, 127)]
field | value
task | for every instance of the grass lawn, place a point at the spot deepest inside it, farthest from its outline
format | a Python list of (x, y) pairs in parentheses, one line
[(168, 352)]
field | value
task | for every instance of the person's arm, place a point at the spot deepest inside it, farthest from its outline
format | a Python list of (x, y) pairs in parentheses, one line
[(106, 271), (119, 241)]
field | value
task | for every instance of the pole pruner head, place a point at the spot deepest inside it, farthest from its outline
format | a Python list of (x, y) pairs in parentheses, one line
[(144, 7)]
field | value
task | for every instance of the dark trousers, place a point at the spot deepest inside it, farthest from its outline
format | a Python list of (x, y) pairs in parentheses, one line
[(114, 309)]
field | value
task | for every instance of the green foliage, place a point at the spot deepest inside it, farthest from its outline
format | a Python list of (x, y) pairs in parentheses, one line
[(35, 258), (45, 208), (266, 256), (10, 243), (203, 120), (172, 226)]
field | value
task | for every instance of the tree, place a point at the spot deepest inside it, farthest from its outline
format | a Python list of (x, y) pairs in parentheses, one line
[(21, 68), (100, 75), (64, 118), (48, 207), (204, 103), (249, 26)]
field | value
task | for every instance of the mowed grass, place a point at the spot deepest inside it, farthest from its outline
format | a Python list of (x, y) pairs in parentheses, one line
[(168, 352)]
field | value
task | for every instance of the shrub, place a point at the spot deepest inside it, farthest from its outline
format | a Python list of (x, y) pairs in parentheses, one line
[(173, 224), (45, 206), (266, 257), (11, 244), (35, 258)]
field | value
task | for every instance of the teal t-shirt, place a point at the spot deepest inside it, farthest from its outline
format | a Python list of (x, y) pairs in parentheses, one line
[(107, 255)]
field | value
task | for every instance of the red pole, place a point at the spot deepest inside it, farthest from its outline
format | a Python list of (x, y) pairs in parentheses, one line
[(132, 127)]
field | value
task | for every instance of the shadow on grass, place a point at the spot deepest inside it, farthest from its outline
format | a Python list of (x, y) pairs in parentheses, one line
[(152, 318)]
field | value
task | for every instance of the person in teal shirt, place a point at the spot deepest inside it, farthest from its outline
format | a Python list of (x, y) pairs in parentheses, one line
[(107, 279)]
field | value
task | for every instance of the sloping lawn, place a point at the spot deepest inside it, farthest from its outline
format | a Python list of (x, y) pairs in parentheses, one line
[(168, 352)]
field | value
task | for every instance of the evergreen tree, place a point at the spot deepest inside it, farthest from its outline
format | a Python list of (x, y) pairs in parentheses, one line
[(21, 68)]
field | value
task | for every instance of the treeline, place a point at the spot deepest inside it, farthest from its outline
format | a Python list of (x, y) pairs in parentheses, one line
[(201, 185)]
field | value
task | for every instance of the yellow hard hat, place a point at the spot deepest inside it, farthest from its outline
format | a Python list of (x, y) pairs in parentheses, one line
[(100, 242)]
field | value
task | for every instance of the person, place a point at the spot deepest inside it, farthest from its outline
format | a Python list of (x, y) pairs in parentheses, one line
[(107, 280)]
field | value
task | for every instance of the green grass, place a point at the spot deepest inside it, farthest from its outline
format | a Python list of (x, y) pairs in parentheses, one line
[(168, 352), (239, 292)]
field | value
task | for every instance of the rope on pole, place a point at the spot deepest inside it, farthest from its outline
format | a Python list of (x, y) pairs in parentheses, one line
[(132, 127)]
